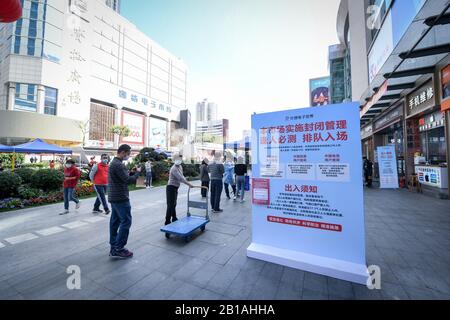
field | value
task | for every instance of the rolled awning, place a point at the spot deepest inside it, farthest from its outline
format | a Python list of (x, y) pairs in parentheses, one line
[(10, 10)]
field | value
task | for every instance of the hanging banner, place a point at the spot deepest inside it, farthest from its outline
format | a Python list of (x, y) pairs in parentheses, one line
[(307, 191), (387, 162)]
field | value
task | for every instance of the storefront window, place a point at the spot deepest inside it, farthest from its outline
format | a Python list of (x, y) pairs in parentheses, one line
[(433, 145)]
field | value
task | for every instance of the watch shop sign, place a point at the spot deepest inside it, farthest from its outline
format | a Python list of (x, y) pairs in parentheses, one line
[(421, 99)]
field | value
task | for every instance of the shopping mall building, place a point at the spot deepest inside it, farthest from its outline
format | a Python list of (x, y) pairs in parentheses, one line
[(399, 53), (72, 69)]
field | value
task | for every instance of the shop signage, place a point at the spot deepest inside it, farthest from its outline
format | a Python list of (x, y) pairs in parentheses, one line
[(136, 99), (395, 114), (433, 176), (421, 99), (307, 191), (445, 105), (101, 144), (366, 132), (432, 121), (136, 122), (387, 161), (376, 97)]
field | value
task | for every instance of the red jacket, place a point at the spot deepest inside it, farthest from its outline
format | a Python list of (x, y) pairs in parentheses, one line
[(101, 175), (72, 172)]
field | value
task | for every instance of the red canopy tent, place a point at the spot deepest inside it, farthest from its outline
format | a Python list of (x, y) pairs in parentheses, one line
[(10, 10)]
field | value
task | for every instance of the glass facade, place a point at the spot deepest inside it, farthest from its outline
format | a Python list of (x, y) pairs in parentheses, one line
[(38, 33), (26, 97), (51, 101)]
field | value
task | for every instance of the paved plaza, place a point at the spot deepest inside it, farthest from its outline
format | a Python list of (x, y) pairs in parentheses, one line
[(408, 236)]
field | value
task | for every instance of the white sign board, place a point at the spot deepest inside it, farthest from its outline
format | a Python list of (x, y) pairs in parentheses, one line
[(307, 191), (387, 163)]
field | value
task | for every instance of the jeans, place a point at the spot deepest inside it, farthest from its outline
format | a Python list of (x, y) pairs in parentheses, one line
[(119, 225), (241, 186), (227, 191), (148, 179), (204, 191), (69, 195), (171, 196), (216, 193), (101, 198)]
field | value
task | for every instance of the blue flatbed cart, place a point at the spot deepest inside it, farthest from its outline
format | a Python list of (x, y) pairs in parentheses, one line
[(187, 226)]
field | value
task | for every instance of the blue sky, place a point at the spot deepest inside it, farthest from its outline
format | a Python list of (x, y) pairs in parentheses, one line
[(246, 55)]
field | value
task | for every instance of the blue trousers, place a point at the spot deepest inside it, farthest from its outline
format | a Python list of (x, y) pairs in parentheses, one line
[(119, 225), (240, 180), (101, 197), (69, 195), (148, 179)]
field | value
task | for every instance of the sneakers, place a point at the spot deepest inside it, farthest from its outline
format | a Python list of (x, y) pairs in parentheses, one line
[(107, 212), (147, 187), (77, 206), (234, 198), (216, 211), (64, 212), (242, 201), (121, 254), (97, 211)]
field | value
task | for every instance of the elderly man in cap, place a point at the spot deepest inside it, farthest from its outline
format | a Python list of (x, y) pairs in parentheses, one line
[(176, 178)]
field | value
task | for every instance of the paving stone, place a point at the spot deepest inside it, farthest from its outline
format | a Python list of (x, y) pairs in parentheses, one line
[(219, 283), (390, 291), (315, 282), (242, 285), (207, 295), (186, 292)]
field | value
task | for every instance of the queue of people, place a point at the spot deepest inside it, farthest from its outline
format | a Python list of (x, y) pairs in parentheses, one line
[(114, 178)]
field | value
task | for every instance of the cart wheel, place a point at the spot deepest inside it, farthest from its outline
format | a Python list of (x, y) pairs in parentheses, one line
[(203, 229), (167, 236), (186, 239)]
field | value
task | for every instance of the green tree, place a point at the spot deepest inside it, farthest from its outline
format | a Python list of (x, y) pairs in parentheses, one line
[(121, 131)]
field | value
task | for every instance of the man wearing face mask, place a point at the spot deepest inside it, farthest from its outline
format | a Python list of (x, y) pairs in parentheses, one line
[(71, 177), (99, 176), (118, 196), (176, 177)]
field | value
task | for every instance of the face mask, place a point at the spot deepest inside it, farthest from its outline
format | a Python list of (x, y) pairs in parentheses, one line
[(105, 161), (126, 158), (68, 165), (178, 162)]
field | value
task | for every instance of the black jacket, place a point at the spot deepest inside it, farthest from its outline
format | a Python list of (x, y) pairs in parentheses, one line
[(118, 181)]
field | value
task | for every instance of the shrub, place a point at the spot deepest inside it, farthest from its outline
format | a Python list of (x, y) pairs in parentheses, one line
[(191, 170), (160, 170), (26, 192), (25, 174), (47, 180), (11, 203), (6, 159), (40, 165), (9, 184)]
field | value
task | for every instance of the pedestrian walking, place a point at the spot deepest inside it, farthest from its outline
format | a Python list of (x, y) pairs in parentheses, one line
[(119, 197), (241, 171), (52, 165), (71, 178), (216, 169), (99, 176), (148, 174), (228, 178), (176, 177), (368, 172), (204, 177)]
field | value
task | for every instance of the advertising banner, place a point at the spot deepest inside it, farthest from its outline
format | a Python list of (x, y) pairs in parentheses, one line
[(158, 133), (387, 161), (307, 191), (445, 105), (319, 91), (136, 122)]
